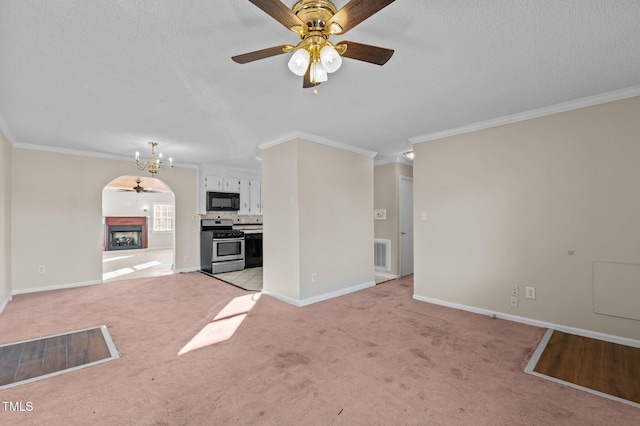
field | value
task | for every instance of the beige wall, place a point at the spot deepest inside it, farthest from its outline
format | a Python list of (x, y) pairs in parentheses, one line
[(57, 199), (387, 196), (327, 193), (5, 221), (281, 236), (505, 205)]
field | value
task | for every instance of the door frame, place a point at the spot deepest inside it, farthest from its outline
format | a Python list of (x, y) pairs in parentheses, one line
[(402, 206)]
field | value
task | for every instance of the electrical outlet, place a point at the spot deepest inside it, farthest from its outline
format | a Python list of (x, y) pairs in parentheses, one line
[(514, 302), (314, 277), (530, 292), (514, 290), (380, 214), (41, 269)]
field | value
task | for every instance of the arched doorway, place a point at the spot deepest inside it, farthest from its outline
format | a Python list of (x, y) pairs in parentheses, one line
[(139, 233)]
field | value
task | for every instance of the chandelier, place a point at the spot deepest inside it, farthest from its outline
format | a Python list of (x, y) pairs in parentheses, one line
[(153, 165)]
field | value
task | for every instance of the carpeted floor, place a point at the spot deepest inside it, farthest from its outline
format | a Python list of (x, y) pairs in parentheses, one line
[(374, 357)]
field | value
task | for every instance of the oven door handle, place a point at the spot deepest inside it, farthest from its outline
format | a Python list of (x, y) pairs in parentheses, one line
[(229, 239)]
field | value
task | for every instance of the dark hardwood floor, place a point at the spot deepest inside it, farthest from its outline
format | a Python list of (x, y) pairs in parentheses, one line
[(34, 358), (602, 366)]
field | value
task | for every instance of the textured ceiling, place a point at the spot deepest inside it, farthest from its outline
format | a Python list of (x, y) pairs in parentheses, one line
[(107, 76)]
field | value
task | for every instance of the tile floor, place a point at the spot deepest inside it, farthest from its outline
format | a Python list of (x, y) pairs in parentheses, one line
[(248, 279)]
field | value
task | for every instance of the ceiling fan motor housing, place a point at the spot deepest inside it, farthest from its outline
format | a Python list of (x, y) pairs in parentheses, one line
[(314, 14)]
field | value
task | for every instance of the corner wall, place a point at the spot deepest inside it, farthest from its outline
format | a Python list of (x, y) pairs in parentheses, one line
[(506, 205), (318, 221), (5, 221)]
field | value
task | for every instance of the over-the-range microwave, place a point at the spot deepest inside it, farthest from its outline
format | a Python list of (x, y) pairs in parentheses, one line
[(223, 201)]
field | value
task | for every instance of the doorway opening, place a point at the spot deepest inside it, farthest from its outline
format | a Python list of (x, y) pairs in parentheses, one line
[(138, 216)]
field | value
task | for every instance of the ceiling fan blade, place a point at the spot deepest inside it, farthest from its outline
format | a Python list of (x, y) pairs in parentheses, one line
[(367, 53), (281, 13), (306, 80), (355, 12), (260, 54)]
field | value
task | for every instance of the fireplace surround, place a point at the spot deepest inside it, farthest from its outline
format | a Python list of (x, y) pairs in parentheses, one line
[(125, 233)]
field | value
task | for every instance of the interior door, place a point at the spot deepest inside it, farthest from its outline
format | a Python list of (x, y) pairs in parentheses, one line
[(406, 226)]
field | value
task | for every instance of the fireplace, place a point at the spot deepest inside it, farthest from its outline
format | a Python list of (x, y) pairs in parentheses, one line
[(125, 233)]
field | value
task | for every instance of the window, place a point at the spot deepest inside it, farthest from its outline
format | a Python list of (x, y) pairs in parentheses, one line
[(163, 217)]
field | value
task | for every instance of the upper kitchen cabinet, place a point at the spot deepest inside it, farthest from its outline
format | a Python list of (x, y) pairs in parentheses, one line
[(250, 201), (223, 184), (255, 198)]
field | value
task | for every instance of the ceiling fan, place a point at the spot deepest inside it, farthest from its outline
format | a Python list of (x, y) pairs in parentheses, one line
[(138, 188), (315, 21)]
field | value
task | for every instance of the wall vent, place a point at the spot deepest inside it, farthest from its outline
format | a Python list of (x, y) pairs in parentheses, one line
[(382, 254)]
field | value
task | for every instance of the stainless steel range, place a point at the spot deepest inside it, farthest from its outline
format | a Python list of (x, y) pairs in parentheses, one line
[(221, 246)]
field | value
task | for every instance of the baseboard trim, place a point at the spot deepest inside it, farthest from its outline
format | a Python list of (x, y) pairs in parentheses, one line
[(383, 275), (189, 269), (320, 298), (5, 303), (537, 323), (55, 287)]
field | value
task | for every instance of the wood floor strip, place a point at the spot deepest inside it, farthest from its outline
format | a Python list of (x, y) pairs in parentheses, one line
[(605, 368), (22, 362)]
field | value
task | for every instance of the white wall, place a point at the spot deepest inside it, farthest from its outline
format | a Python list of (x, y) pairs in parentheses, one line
[(317, 220), (5, 221), (58, 197), (117, 203), (505, 205)]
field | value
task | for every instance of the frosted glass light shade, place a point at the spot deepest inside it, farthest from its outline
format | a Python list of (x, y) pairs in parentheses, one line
[(318, 73), (330, 58), (299, 62)]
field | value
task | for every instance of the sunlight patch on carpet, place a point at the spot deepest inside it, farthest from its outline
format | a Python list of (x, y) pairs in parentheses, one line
[(35, 359), (224, 324)]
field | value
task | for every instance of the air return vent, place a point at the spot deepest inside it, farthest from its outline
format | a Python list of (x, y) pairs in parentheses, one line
[(382, 254)]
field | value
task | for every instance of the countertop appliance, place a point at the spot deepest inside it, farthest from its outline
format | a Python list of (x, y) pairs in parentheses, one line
[(222, 248), (223, 201)]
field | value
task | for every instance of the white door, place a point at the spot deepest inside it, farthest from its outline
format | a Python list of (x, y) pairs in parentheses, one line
[(406, 226)]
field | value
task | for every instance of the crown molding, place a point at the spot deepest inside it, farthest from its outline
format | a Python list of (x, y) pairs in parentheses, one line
[(535, 113), (58, 150), (320, 140), (5, 131)]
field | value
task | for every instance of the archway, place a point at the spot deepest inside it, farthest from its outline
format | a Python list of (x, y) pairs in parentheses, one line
[(139, 233)]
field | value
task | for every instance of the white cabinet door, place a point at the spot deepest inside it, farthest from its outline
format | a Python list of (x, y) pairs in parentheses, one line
[(245, 196), (231, 184), (214, 183), (256, 202)]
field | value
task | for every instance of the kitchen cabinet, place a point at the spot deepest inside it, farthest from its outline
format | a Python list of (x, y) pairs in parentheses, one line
[(214, 183), (250, 199), (245, 194), (222, 184), (255, 197), (231, 184)]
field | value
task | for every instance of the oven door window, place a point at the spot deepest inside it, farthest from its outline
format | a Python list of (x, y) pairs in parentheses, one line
[(230, 248)]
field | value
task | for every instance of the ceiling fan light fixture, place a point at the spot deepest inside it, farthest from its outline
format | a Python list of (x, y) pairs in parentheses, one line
[(318, 73), (330, 58), (299, 62)]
